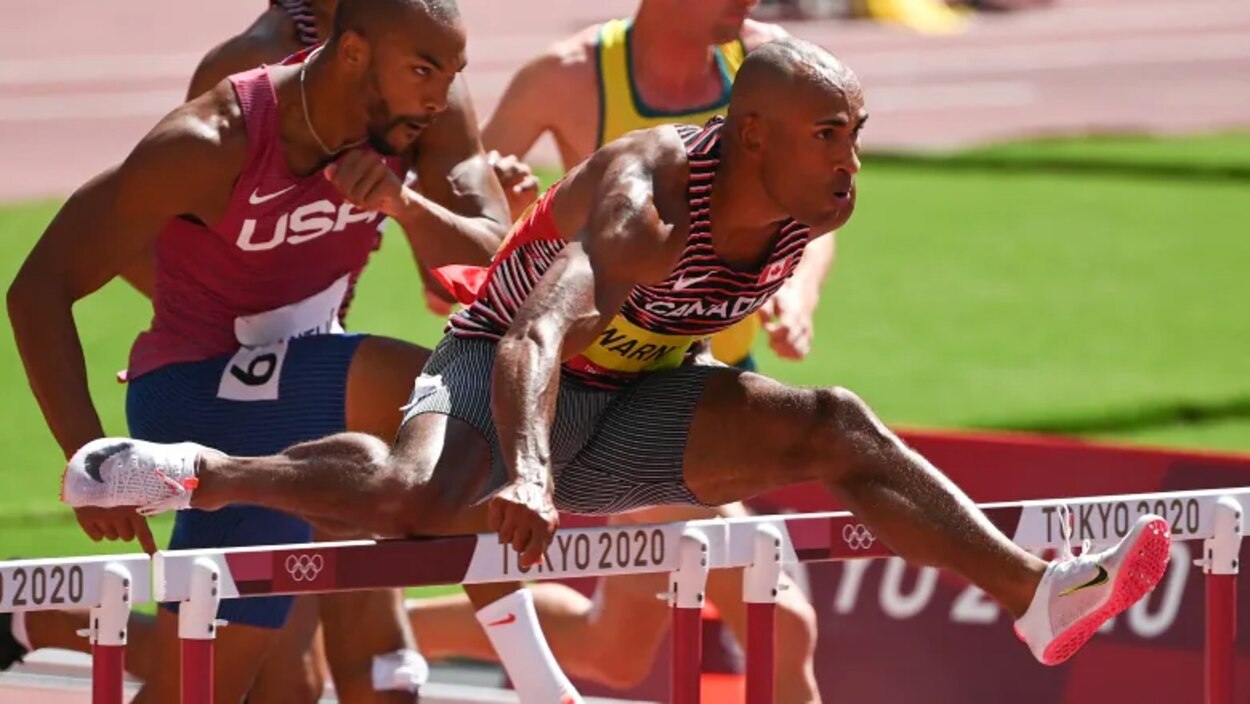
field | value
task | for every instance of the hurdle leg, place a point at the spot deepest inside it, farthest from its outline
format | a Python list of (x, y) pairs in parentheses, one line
[(107, 634), (1220, 562), (687, 591), (197, 628), (759, 591)]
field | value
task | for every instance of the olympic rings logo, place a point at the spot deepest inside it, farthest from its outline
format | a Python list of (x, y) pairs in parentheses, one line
[(857, 536), (304, 568)]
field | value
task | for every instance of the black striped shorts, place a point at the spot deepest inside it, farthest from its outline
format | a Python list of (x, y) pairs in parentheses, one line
[(611, 451)]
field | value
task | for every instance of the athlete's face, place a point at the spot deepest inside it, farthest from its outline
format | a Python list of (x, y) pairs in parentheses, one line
[(713, 21), (809, 152), (409, 78)]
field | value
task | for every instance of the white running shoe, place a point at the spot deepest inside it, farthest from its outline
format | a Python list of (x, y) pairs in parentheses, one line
[(1079, 594), (111, 472)]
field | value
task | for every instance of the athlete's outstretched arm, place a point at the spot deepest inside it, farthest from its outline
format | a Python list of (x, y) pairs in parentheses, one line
[(526, 111), (460, 215), (529, 107), (102, 228), (621, 245)]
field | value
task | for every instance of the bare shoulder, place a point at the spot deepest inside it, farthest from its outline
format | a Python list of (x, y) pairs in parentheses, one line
[(568, 63), (270, 39), (554, 91), (214, 119), (756, 33), (645, 172), (193, 155), (656, 153), (656, 159)]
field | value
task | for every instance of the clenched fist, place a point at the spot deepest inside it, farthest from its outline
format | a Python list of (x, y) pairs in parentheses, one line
[(517, 179), (367, 182), (524, 514)]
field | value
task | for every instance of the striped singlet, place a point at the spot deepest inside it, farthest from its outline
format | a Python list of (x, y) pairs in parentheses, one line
[(622, 109), (657, 324)]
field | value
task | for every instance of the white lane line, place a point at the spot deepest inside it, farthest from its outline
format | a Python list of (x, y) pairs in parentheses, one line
[(84, 69), (88, 106)]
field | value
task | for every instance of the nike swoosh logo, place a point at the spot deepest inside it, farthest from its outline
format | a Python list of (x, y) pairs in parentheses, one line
[(1100, 578), (91, 463), (685, 283), (510, 618), (257, 199)]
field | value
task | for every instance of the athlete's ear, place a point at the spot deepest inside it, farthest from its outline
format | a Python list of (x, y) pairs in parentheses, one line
[(354, 50), (751, 133)]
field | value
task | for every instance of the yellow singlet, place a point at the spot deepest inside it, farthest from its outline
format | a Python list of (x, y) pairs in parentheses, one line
[(622, 110)]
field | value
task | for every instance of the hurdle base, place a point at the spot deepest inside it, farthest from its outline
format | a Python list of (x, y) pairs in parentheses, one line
[(686, 596), (1221, 563)]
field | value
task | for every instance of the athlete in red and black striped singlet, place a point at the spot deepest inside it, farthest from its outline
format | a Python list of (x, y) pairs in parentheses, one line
[(653, 330)]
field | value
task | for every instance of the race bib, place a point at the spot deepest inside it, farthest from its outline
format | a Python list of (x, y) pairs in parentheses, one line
[(316, 315), (254, 373), (626, 348)]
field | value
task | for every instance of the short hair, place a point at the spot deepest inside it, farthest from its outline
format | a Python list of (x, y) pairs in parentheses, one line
[(367, 17), (792, 60)]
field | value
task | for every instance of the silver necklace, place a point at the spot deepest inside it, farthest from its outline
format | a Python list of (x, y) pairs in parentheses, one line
[(307, 121)]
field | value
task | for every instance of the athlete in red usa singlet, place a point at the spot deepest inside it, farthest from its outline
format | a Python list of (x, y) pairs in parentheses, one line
[(562, 387), (273, 267), (261, 198), (286, 27), (355, 625)]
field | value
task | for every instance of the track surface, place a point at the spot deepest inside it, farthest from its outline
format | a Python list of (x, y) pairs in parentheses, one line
[(82, 80)]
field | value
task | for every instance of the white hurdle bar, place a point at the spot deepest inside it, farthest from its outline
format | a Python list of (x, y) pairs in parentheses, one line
[(199, 579), (107, 585)]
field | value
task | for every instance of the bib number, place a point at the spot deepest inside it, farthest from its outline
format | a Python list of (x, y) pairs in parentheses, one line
[(316, 315), (253, 373)]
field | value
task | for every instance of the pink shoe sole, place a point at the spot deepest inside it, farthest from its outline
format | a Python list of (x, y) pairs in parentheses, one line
[(1141, 571)]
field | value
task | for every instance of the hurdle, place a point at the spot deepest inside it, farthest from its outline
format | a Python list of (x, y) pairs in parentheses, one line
[(687, 551), (107, 585), (200, 579)]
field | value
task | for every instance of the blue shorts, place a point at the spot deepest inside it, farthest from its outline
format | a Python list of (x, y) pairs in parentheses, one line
[(179, 403)]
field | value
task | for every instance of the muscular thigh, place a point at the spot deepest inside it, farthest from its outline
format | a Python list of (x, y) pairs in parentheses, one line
[(447, 439), (749, 434), (379, 382)]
